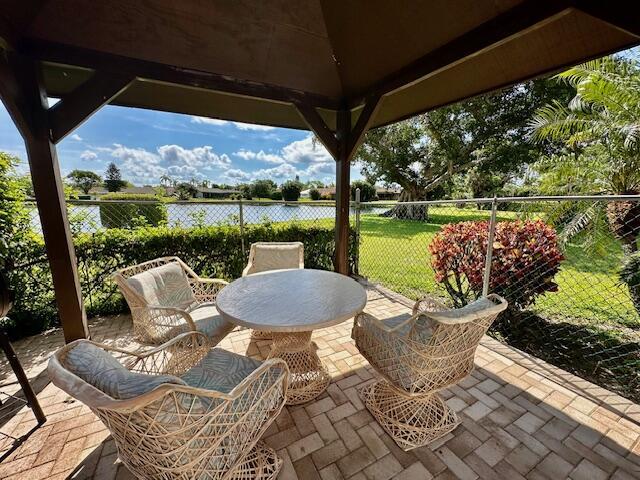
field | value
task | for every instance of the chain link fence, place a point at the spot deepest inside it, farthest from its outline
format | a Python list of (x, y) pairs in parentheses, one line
[(560, 261)]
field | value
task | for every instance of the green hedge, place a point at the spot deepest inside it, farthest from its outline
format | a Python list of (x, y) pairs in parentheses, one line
[(147, 211), (213, 251)]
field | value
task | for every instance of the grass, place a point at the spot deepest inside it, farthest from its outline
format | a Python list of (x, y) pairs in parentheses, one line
[(394, 253)]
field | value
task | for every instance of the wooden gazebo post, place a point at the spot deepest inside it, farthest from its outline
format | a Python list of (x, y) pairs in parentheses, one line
[(25, 99), (342, 145)]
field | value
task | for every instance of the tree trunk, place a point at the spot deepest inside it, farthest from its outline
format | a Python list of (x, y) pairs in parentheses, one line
[(409, 212), (624, 220)]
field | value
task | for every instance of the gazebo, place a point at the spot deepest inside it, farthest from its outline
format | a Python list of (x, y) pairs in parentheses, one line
[(337, 68)]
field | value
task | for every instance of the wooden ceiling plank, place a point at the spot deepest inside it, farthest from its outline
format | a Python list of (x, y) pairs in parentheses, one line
[(623, 15), (318, 126), (512, 23), (152, 71), (68, 114)]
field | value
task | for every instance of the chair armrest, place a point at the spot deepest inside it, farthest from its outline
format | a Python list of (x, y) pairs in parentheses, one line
[(381, 325), (206, 289), (429, 304), (173, 357), (170, 313), (247, 269)]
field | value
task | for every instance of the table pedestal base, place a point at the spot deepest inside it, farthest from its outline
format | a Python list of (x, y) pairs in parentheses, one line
[(309, 377)]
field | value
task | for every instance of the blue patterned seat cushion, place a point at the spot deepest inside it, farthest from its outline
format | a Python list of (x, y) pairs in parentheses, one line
[(220, 370), (209, 322), (100, 369)]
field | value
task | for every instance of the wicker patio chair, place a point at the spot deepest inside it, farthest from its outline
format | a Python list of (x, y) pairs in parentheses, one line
[(181, 410), (418, 357), (265, 256), (167, 298)]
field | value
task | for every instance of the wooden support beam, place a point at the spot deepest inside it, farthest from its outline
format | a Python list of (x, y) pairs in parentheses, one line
[(356, 136), (623, 15), (515, 22), (158, 72), (68, 114), (22, 93), (343, 192), (316, 124)]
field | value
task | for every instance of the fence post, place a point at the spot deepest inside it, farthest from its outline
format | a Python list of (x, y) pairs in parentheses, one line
[(241, 215), (489, 258), (356, 267)]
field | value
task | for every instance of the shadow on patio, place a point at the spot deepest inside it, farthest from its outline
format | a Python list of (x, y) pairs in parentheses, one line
[(521, 418)]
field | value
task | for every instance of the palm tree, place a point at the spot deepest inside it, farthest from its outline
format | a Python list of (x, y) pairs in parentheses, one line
[(165, 180), (602, 120)]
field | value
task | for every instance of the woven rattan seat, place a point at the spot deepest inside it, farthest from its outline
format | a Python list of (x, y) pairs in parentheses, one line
[(167, 298), (431, 350), (178, 426)]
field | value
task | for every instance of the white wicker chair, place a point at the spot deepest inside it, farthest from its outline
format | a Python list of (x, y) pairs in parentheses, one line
[(167, 298), (265, 256), (181, 410), (418, 357)]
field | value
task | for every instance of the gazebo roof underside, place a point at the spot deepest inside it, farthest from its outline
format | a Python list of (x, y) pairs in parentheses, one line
[(252, 60)]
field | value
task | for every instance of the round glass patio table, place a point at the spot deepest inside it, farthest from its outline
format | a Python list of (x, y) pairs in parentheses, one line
[(291, 304)]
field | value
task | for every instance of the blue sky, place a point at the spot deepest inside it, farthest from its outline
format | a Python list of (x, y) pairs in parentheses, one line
[(147, 144)]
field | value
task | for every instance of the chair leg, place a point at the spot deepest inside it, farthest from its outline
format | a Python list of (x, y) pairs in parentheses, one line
[(412, 421), (262, 463)]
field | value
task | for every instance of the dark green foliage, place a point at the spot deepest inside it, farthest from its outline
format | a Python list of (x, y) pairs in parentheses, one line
[(263, 188), (146, 211), (84, 180), (367, 191), (212, 251), (630, 274), (186, 191), (276, 195), (291, 190), (314, 194), (14, 218), (113, 178)]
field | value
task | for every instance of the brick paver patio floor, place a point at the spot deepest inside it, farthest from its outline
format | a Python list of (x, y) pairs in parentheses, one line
[(521, 418)]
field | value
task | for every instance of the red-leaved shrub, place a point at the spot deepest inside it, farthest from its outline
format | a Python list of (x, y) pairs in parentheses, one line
[(525, 259)]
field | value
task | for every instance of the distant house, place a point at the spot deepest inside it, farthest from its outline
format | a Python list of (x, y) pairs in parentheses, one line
[(382, 193), (206, 192), (388, 193)]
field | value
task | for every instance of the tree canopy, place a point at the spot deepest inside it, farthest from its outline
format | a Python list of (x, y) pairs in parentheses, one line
[(84, 180), (113, 178), (487, 133)]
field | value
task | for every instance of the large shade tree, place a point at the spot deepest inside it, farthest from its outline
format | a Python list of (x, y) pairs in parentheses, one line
[(486, 133), (84, 180)]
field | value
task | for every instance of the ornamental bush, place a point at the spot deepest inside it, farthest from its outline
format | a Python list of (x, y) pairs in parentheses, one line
[(139, 210), (525, 259), (212, 251), (315, 194), (291, 190)]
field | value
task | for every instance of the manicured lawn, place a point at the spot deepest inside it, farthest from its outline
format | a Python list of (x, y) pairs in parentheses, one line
[(394, 253)]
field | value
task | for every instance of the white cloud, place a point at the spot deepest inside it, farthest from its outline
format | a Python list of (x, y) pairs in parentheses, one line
[(76, 137), (306, 151), (236, 175), (303, 157), (238, 125), (88, 155), (260, 156), (208, 121), (251, 126)]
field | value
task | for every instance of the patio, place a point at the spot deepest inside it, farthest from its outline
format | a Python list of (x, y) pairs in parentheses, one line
[(521, 418)]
